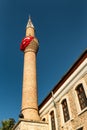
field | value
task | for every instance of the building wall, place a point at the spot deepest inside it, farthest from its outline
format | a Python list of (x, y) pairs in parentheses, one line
[(30, 125), (78, 117)]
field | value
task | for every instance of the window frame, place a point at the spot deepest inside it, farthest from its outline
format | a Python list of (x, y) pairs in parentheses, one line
[(79, 94), (78, 107), (44, 119), (50, 127), (67, 108), (61, 111), (80, 128), (53, 123)]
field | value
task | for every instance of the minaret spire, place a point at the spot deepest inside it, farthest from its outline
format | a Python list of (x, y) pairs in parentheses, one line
[(30, 30), (30, 24)]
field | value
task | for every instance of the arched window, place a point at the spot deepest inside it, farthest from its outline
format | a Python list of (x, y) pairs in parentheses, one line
[(52, 120), (44, 119), (81, 96), (80, 128), (65, 110)]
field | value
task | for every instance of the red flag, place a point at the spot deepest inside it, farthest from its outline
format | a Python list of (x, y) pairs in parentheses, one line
[(25, 42)]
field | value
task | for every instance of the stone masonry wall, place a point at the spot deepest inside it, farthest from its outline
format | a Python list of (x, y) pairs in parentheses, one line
[(77, 118), (31, 125)]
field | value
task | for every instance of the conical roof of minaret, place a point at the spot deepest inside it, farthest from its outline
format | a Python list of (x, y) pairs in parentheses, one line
[(29, 24)]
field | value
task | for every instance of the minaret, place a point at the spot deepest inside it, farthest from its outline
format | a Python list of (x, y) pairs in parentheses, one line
[(29, 93)]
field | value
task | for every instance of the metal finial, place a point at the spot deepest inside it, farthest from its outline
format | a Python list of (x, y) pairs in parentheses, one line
[(29, 17)]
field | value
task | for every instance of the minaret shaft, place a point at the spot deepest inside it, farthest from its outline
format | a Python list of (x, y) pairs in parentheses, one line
[(29, 101)]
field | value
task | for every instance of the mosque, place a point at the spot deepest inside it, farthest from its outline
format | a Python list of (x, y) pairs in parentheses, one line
[(65, 107)]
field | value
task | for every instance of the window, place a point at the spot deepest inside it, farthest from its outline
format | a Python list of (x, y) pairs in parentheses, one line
[(52, 120), (43, 119), (80, 128), (65, 110), (81, 96)]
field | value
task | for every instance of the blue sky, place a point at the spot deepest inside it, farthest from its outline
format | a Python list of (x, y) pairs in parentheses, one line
[(61, 27)]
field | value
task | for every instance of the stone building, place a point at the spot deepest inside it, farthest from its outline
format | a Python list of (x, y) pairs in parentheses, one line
[(65, 107)]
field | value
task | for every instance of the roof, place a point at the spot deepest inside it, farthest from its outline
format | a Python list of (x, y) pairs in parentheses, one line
[(64, 78)]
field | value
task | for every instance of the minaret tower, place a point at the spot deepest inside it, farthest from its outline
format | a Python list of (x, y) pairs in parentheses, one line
[(29, 117), (30, 46)]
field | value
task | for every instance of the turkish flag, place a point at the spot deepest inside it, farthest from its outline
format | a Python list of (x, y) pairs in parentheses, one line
[(25, 42)]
